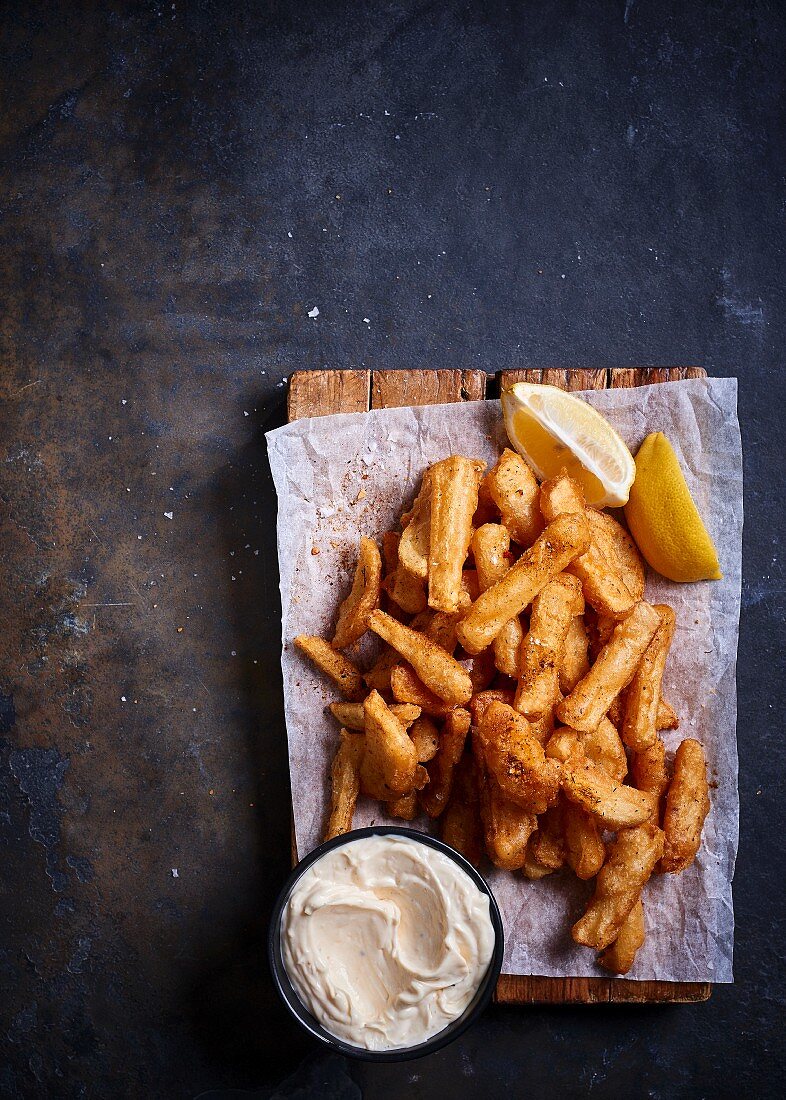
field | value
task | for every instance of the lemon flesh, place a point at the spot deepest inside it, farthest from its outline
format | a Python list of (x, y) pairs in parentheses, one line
[(664, 519), (554, 430)]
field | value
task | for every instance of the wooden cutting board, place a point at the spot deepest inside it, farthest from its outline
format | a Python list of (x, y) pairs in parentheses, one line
[(320, 392)]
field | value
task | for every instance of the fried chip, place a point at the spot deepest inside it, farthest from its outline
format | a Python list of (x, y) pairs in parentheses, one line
[(437, 669), (584, 848), (436, 795), (333, 664), (687, 805), (413, 549), (648, 771), (354, 611), (491, 550), (620, 955), (613, 670), (603, 586), (543, 648), (575, 661), (406, 687), (618, 886), (562, 541), (617, 805), (344, 783), (425, 737), (513, 488), (642, 698), (454, 499), (353, 717), (516, 759), (390, 762)]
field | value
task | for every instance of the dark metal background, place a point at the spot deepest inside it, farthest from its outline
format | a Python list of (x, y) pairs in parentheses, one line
[(491, 185)]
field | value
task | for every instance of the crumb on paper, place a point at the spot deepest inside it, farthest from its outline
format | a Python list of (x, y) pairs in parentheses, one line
[(314, 311)]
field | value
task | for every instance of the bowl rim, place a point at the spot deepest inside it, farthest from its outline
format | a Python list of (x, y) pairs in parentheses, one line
[(301, 1013)]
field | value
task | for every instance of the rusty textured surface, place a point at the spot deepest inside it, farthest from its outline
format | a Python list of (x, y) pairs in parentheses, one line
[(465, 186)]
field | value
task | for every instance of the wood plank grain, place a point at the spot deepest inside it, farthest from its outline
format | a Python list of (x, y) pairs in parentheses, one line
[(564, 378), (321, 392), (316, 393), (521, 989), (622, 378), (394, 389)]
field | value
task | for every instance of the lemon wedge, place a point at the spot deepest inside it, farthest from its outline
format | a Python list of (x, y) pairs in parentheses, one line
[(664, 519), (554, 430)]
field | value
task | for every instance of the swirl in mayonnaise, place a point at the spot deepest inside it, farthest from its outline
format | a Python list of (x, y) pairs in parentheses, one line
[(386, 941)]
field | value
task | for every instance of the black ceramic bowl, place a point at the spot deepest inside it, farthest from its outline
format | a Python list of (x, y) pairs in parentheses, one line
[(401, 1054)]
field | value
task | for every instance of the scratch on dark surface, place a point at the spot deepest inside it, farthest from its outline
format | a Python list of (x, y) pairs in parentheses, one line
[(40, 774), (79, 957), (22, 389), (82, 866)]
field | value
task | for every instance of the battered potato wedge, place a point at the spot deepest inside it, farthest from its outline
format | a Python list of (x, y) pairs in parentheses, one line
[(413, 549), (482, 670), (542, 728), (603, 587), (353, 717), (487, 511), (441, 629), (461, 824), (454, 499), (640, 725), (618, 886), (619, 549), (354, 611), (620, 956), (615, 804), (559, 544), (575, 661), (602, 746), (516, 760), (407, 688), (533, 869), (648, 771), (425, 737), (344, 783), (491, 550), (514, 490), (437, 669), (547, 847), (613, 670), (436, 796), (667, 719), (543, 648), (584, 848), (389, 767), (483, 699), (687, 805), (405, 590), (378, 676), (506, 827), (405, 808), (333, 664)]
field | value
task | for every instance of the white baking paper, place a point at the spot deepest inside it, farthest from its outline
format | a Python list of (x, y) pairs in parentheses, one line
[(343, 476)]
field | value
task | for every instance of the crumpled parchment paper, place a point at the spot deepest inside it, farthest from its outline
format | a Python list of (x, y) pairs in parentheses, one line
[(338, 477)]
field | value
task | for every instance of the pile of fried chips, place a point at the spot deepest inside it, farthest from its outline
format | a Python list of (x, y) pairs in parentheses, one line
[(517, 698)]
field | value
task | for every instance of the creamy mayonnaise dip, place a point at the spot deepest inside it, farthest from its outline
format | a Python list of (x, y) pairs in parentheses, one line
[(386, 940)]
